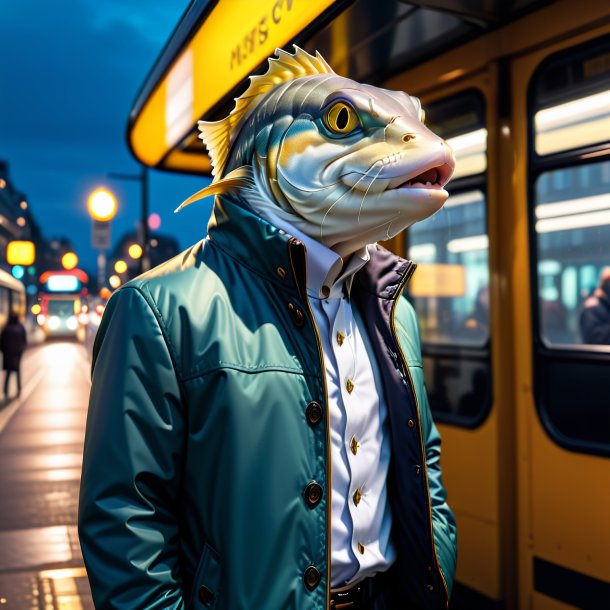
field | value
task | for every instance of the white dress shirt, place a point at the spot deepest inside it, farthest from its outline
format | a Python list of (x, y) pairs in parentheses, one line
[(361, 519)]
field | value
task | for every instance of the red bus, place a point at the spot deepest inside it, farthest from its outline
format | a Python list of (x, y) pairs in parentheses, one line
[(64, 303)]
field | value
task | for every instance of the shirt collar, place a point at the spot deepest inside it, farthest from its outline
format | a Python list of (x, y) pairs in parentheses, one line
[(326, 276)]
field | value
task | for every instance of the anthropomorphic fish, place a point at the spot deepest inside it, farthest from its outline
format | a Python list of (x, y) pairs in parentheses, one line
[(348, 164)]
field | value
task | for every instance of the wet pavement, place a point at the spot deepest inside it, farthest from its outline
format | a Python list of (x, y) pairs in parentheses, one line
[(41, 443)]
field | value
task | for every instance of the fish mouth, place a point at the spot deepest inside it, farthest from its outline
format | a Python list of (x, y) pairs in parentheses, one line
[(434, 178)]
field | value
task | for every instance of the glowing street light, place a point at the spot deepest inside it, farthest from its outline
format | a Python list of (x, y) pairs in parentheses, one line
[(120, 266), (135, 251), (102, 205), (69, 260), (114, 281), (36, 309)]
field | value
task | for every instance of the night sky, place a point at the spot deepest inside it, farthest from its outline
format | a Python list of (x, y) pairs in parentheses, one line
[(69, 73)]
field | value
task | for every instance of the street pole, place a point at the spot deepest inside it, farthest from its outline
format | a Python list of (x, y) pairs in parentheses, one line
[(142, 178), (101, 269), (145, 258)]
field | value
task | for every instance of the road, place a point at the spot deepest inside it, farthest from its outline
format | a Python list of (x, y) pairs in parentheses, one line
[(41, 443)]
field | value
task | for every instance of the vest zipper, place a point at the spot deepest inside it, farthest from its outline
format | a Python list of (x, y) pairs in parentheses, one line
[(403, 284), (293, 243)]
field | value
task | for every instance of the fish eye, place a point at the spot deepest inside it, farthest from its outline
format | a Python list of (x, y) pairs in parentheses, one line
[(341, 118), (422, 116)]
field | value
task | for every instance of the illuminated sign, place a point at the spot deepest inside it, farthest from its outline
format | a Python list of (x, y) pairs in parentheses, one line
[(179, 99), (20, 253), (78, 273), (438, 280), (236, 37), (62, 283)]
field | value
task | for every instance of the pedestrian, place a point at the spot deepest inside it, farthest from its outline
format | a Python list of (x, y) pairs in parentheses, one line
[(595, 314), (259, 435), (13, 342)]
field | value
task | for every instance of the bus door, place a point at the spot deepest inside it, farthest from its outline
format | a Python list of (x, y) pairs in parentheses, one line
[(562, 347)]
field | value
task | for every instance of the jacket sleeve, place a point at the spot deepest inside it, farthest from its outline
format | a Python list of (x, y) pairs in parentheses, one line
[(128, 522), (443, 521)]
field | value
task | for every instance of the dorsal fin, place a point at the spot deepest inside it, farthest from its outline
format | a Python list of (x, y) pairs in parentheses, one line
[(239, 178), (219, 135)]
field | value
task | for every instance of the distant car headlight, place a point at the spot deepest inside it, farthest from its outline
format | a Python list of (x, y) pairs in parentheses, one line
[(41, 319), (72, 323), (53, 323)]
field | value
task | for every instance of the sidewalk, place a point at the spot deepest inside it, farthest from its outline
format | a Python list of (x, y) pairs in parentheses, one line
[(41, 439)]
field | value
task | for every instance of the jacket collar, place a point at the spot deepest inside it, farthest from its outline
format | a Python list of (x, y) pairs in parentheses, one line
[(281, 257)]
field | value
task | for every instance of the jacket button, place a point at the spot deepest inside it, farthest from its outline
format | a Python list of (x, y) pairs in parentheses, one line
[(430, 588), (313, 494), (313, 413), (298, 317), (411, 423), (206, 596), (312, 577), (417, 470)]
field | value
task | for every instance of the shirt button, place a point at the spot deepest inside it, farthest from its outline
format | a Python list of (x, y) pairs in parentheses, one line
[(313, 494), (361, 548), (340, 338), (206, 597), (350, 386), (313, 413), (297, 315), (411, 423), (281, 272), (354, 445), (325, 291), (312, 577), (357, 496)]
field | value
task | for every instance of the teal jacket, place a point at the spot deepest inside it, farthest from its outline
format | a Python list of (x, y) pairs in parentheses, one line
[(202, 433)]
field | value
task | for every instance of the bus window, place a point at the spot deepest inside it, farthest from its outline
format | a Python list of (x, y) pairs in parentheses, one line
[(570, 231), (4, 305), (572, 225), (451, 286), (450, 289)]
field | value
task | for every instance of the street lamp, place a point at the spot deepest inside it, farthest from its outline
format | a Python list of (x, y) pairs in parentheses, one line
[(120, 266), (142, 179), (69, 260), (135, 251), (102, 206)]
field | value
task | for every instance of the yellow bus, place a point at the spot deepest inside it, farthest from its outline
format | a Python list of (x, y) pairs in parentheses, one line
[(12, 297), (521, 395)]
